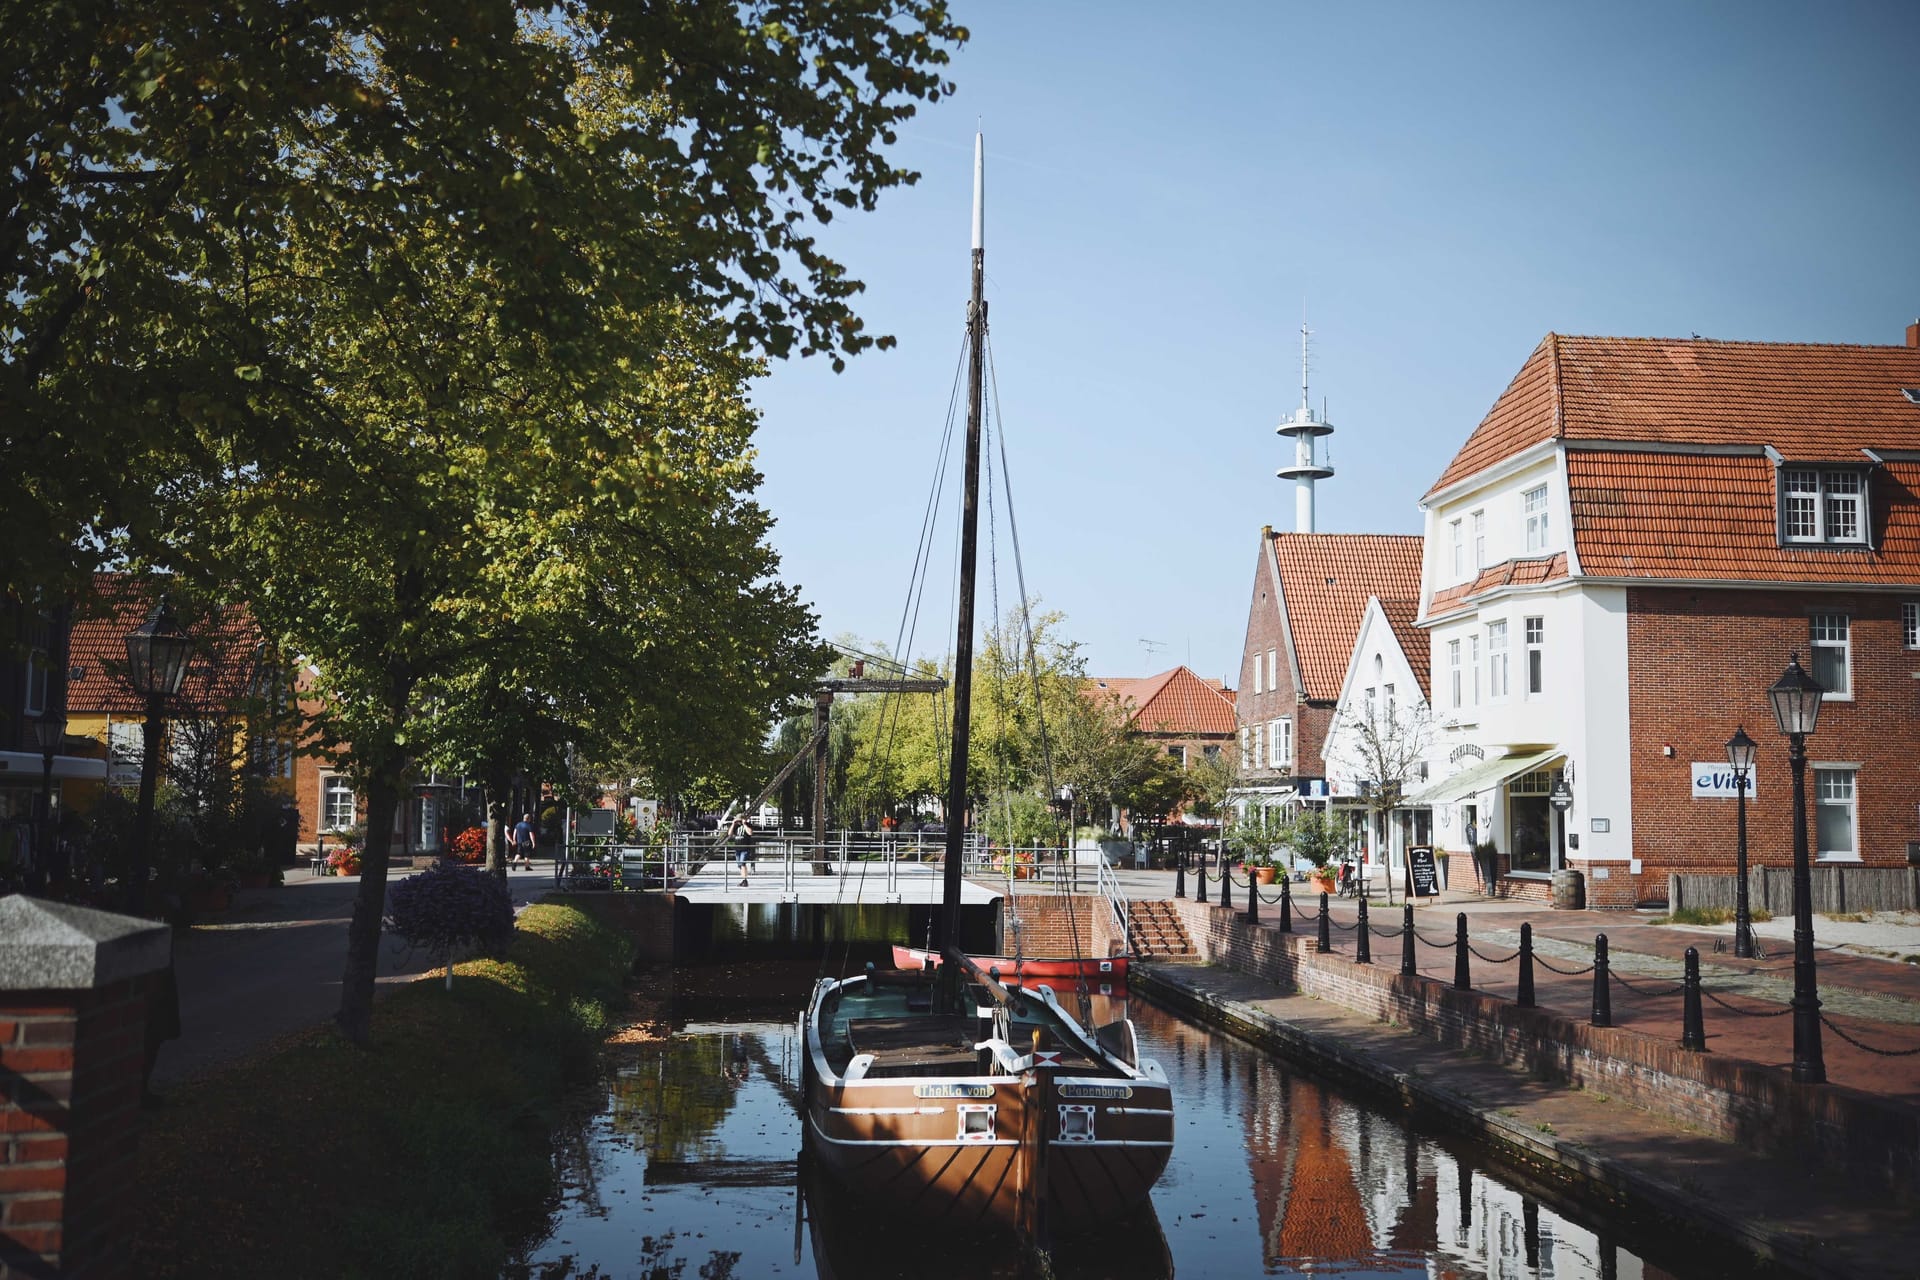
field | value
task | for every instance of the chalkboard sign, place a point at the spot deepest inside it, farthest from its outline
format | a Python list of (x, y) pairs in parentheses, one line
[(595, 822), (1426, 883)]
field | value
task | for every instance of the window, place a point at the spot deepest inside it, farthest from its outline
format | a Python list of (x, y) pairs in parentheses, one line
[(270, 757), (1211, 752), (1536, 654), (1834, 824), (1273, 668), (1830, 654), (1479, 540), (1910, 625), (1453, 668), (1179, 755), (337, 808), (1259, 686), (1280, 733), (1473, 653), (36, 692), (1371, 704), (1458, 535), (1534, 503), (1259, 761), (1497, 659), (1823, 506), (1388, 693), (1246, 747)]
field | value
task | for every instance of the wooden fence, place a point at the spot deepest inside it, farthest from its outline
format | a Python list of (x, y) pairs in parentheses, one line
[(1836, 890)]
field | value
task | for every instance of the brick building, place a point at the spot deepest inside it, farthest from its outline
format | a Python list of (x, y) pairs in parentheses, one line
[(1186, 715), (1310, 593), (1618, 563)]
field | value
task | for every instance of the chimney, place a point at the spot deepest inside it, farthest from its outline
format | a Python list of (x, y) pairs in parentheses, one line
[(1913, 334)]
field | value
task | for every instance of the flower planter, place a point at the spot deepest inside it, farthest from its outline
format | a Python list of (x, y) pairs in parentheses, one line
[(1325, 884), (1265, 875)]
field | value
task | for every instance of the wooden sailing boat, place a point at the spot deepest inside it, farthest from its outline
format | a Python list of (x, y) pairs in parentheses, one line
[(945, 1096)]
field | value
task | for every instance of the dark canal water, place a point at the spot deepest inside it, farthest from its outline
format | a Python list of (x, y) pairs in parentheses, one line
[(685, 1164)]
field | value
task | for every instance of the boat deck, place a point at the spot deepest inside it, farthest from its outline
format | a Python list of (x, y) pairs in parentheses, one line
[(917, 1045)]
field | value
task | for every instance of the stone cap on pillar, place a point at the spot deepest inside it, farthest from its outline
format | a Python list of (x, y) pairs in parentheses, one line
[(54, 946)]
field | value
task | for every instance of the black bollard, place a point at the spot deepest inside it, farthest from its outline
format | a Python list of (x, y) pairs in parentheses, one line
[(1462, 974), (1407, 965), (1363, 938), (1524, 998), (1180, 875), (1286, 904), (1226, 886), (1693, 1024), (1325, 941), (1602, 992), (1253, 898), (1200, 877)]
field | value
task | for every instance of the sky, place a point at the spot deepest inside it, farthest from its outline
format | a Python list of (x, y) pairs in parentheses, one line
[(1438, 185)]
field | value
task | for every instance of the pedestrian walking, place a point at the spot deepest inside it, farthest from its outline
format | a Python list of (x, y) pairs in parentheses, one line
[(742, 847), (521, 842)]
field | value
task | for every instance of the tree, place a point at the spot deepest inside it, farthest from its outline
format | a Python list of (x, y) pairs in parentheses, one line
[(1385, 746)]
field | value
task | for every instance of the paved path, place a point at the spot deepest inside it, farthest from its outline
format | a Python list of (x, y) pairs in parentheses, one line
[(271, 965)]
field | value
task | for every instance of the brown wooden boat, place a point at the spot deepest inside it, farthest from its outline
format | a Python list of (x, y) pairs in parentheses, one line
[(1019, 970)]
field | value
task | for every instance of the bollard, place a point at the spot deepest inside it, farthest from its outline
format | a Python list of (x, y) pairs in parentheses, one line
[(1325, 941), (1200, 878), (1286, 904), (1226, 886), (1179, 874), (1253, 898), (1462, 975), (1602, 992), (1407, 965), (1693, 1025), (1525, 996), (1363, 938)]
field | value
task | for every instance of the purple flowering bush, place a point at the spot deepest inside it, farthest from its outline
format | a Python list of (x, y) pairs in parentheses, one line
[(449, 907)]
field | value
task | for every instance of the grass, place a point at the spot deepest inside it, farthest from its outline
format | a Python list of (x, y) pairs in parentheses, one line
[(424, 1155), (1710, 915)]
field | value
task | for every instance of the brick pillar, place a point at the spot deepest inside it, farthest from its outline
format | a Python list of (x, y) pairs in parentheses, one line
[(74, 985)]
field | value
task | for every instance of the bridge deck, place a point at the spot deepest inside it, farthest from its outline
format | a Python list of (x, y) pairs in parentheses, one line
[(857, 881)]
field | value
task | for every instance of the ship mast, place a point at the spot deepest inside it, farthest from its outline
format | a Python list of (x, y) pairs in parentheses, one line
[(969, 538)]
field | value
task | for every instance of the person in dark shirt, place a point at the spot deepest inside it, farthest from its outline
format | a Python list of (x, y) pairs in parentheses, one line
[(522, 842)]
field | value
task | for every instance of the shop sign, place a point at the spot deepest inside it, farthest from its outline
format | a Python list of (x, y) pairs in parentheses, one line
[(1426, 881), (1713, 780)]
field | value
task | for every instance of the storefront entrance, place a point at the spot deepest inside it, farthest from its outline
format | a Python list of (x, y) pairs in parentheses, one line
[(1532, 829)]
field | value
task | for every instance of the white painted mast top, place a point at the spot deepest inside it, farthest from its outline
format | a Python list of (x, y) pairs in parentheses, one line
[(1305, 427), (979, 192)]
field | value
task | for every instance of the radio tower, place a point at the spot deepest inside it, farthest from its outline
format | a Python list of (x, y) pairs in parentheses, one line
[(1304, 427)]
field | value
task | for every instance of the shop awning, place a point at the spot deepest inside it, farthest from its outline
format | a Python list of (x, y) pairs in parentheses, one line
[(1483, 777), (22, 766)]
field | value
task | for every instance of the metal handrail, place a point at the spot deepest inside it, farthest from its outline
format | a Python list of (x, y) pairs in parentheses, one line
[(1109, 886)]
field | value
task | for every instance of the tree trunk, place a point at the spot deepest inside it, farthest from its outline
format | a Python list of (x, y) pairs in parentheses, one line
[(355, 1018), (498, 820)]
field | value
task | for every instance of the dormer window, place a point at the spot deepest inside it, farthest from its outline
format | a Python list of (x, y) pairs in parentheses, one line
[(1823, 505)]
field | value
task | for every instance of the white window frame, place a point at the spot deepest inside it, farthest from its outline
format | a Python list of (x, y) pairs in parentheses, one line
[(1813, 502), (1533, 504), (1833, 631), (1386, 692), (1497, 669), (1246, 746), (330, 786), (1453, 669), (1831, 778), (1258, 687), (1273, 669), (1280, 734), (33, 698), (1479, 540), (1459, 562), (1910, 624), (1533, 631), (1473, 653)]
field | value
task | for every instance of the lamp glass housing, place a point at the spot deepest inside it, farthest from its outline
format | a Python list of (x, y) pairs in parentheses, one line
[(49, 731), (1740, 753), (157, 653), (1796, 699)]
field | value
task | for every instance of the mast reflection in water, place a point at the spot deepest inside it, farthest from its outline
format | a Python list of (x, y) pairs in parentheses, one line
[(688, 1166)]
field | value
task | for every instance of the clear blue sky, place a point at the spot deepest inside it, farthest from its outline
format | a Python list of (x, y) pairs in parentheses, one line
[(1442, 183)]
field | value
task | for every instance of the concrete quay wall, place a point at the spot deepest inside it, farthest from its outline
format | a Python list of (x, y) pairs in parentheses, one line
[(1836, 1127)]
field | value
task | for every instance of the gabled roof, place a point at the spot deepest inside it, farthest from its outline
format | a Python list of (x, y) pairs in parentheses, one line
[(1400, 615), (218, 674), (1325, 580), (1807, 400), (1522, 571), (1175, 702)]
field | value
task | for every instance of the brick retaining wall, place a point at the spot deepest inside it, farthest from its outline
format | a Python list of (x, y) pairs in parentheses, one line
[(1840, 1128)]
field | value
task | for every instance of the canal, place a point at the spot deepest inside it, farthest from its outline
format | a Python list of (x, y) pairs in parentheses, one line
[(684, 1161)]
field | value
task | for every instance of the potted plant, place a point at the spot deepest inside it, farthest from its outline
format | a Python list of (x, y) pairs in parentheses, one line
[(1259, 867), (344, 860)]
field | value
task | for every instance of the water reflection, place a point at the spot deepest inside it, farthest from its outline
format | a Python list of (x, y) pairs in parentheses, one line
[(686, 1166)]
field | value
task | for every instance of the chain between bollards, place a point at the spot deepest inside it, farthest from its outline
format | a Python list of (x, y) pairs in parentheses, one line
[(1407, 965), (1693, 1023), (1602, 988), (1363, 937), (1325, 941), (1524, 997), (1462, 976), (1286, 906)]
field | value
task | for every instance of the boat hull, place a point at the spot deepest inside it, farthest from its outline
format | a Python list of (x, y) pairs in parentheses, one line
[(1092, 968)]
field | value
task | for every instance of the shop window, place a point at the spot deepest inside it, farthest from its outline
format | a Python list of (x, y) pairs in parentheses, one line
[(1836, 813)]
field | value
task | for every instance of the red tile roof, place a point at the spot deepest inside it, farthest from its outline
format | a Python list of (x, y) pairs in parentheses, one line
[(1806, 400), (218, 674), (1642, 515), (1325, 581), (1508, 573), (1177, 702), (1413, 641)]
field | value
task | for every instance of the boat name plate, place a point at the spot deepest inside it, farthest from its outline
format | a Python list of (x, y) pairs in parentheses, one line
[(953, 1091), (1095, 1091)]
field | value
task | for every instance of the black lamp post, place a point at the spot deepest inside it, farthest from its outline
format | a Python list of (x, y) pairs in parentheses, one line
[(1796, 708), (49, 731), (1740, 753), (157, 653)]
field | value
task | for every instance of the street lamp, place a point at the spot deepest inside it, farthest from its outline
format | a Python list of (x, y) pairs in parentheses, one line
[(1740, 753), (49, 731), (1796, 708), (157, 653)]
